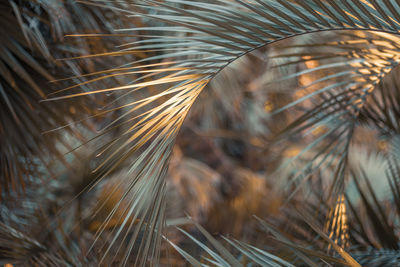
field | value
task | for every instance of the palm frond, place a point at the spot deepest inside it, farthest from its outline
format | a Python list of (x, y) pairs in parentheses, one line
[(202, 39), (230, 252), (243, 255)]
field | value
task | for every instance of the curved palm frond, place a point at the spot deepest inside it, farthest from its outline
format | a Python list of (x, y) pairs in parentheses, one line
[(330, 105), (202, 38)]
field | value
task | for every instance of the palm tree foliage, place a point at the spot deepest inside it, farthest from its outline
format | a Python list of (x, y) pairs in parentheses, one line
[(164, 61), (32, 35)]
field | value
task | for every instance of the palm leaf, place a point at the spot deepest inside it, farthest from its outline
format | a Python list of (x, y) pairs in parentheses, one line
[(211, 36)]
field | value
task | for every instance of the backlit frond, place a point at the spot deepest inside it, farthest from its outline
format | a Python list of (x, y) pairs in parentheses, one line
[(188, 44)]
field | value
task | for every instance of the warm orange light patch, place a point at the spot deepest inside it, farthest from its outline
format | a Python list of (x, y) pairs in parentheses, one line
[(382, 145), (306, 79), (256, 142), (292, 152), (337, 223), (268, 106), (300, 93), (8, 265), (72, 110), (319, 130)]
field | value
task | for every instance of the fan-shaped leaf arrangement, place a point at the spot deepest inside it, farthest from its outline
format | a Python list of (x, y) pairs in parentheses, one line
[(189, 43)]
